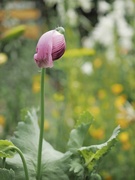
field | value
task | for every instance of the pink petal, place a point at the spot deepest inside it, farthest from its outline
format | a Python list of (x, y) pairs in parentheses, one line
[(51, 46), (43, 56), (59, 46)]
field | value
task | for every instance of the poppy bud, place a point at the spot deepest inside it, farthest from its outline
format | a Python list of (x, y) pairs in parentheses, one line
[(50, 47)]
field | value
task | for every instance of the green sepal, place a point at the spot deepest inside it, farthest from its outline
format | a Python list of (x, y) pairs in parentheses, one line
[(61, 30)]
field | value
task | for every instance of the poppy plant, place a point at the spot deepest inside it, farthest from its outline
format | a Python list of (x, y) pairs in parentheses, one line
[(50, 47)]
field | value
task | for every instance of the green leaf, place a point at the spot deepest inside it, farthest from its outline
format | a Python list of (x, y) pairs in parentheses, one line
[(6, 149), (94, 153), (79, 52), (76, 167), (13, 33), (26, 137), (6, 174), (95, 176), (57, 169), (77, 135)]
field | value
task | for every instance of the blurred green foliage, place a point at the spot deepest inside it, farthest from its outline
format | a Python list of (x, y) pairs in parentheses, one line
[(84, 79)]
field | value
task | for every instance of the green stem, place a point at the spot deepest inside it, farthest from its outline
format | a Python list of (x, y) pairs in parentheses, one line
[(23, 161), (41, 126), (3, 162)]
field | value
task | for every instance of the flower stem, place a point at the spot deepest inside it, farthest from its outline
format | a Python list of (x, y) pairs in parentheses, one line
[(41, 126), (23, 161), (3, 162)]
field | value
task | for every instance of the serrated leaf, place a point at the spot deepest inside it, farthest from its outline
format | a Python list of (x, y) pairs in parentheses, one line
[(94, 153), (26, 139), (77, 135), (76, 167), (6, 174), (6, 149)]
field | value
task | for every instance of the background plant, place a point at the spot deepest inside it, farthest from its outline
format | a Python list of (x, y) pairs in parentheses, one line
[(105, 88)]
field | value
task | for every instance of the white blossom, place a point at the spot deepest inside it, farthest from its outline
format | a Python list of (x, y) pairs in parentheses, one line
[(87, 68), (72, 16), (86, 5), (103, 7)]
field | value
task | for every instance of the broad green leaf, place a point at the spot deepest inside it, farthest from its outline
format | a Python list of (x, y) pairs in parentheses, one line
[(26, 137), (6, 174), (77, 135), (57, 169), (6, 149), (94, 153)]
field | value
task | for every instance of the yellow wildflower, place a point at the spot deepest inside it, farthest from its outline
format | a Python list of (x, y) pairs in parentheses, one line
[(117, 88), (58, 97), (126, 146), (3, 58), (106, 176), (95, 110), (101, 93), (55, 113), (97, 63), (36, 87), (122, 122), (120, 101), (78, 109), (124, 137), (36, 84), (46, 125), (97, 133), (91, 100), (2, 120)]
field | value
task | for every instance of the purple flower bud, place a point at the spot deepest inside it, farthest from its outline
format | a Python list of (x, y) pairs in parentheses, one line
[(50, 47)]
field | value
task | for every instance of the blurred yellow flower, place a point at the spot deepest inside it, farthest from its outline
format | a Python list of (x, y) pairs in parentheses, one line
[(122, 122), (91, 100), (124, 137), (46, 125), (75, 84), (109, 177), (36, 87), (97, 133), (78, 109), (2, 120), (95, 110), (117, 88), (126, 146), (120, 101), (106, 176), (101, 94), (36, 84), (58, 97), (97, 63), (55, 113), (3, 58)]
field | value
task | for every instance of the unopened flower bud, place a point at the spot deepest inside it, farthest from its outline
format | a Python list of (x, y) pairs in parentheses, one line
[(50, 47)]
